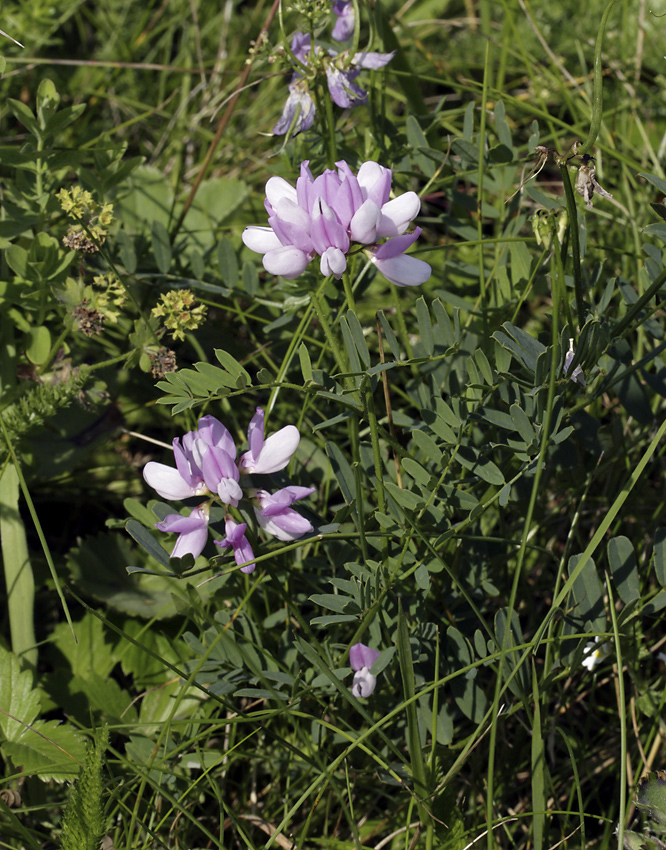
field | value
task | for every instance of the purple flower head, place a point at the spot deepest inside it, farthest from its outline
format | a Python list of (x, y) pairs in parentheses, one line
[(344, 25), (192, 531), (323, 216), (276, 516), (361, 659), (239, 543), (299, 111), (271, 455), (205, 465)]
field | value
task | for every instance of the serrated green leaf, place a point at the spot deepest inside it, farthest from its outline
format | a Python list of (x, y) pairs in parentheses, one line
[(18, 700), (48, 750)]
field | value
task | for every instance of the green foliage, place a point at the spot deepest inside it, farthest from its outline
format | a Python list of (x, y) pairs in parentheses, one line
[(83, 821)]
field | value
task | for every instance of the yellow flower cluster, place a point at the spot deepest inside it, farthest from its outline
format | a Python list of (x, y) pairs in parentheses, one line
[(178, 311)]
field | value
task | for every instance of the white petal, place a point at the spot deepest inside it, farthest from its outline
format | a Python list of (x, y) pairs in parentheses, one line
[(278, 188), (260, 239), (364, 683), (277, 451), (363, 226), (286, 261), (397, 214), (333, 261), (166, 481)]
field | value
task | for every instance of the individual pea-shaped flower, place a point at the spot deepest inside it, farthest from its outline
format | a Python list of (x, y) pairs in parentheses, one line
[(272, 454), (192, 531), (237, 540), (594, 654), (361, 659), (344, 24), (276, 516)]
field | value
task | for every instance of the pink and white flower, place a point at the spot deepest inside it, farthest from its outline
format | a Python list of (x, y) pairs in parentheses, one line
[(323, 216), (361, 659)]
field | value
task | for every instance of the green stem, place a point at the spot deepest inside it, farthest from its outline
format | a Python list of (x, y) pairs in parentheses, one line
[(597, 89), (479, 194), (321, 309), (541, 463), (371, 416)]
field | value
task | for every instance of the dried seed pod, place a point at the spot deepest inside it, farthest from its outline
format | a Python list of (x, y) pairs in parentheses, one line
[(586, 181)]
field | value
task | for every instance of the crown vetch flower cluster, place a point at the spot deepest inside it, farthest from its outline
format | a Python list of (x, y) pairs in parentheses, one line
[(206, 466), (341, 71), (323, 216)]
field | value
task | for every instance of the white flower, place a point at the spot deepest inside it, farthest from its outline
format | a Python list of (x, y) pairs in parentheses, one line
[(594, 654)]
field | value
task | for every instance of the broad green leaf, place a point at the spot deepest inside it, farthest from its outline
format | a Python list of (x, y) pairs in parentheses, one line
[(161, 247), (588, 594), (48, 750), (19, 701), (227, 262), (624, 568), (480, 465), (425, 326), (660, 555), (39, 345)]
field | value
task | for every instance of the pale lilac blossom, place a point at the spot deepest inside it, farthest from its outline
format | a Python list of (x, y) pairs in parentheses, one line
[(324, 216), (361, 659), (192, 531), (272, 454), (239, 543), (206, 466), (276, 516), (341, 72), (344, 24)]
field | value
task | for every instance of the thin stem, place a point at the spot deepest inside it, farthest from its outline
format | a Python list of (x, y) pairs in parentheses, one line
[(597, 86), (479, 195), (543, 451)]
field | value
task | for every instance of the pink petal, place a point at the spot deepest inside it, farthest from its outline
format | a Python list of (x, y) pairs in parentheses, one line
[(404, 270), (361, 656)]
